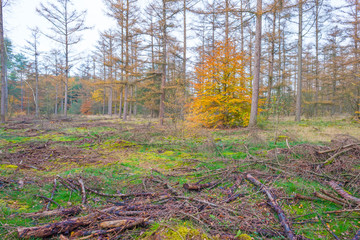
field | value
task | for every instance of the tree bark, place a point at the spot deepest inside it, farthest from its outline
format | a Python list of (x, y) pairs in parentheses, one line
[(164, 61), (299, 79), (3, 66), (256, 81)]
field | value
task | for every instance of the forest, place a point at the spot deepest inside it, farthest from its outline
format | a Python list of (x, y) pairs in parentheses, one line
[(188, 119)]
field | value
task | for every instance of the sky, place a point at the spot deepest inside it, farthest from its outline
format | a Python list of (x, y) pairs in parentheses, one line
[(21, 15)]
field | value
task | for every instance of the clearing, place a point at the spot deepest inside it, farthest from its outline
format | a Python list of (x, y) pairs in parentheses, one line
[(109, 179)]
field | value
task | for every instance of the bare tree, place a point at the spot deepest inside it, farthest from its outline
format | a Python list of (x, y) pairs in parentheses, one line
[(299, 79), (65, 25), (3, 65), (33, 49), (255, 87)]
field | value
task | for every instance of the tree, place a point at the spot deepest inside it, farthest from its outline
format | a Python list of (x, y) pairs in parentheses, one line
[(299, 78), (3, 65), (256, 81), (222, 89), (33, 48), (66, 23)]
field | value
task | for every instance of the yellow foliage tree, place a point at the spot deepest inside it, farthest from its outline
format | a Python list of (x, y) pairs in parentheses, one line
[(222, 89)]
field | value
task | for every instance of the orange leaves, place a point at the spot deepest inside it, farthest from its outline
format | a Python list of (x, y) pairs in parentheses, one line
[(222, 89)]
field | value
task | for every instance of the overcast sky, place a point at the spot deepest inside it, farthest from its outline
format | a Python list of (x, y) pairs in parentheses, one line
[(21, 15)]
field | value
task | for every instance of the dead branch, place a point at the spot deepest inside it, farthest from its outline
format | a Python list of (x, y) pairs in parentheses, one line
[(48, 200), (273, 203), (83, 192), (325, 197), (332, 158), (343, 193), (52, 194), (344, 211), (333, 196), (59, 212)]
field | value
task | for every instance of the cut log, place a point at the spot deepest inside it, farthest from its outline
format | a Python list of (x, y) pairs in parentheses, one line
[(343, 193), (275, 206), (92, 234), (59, 212), (65, 226), (117, 223), (56, 228)]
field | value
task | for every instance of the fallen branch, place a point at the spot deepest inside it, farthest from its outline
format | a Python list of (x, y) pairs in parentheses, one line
[(332, 158), (52, 195), (336, 149), (343, 211), (325, 197), (328, 228), (49, 200), (59, 212), (333, 196), (83, 192), (273, 203), (343, 193)]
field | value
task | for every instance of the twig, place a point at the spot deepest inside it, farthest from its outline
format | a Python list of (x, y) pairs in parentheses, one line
[(48, 199)]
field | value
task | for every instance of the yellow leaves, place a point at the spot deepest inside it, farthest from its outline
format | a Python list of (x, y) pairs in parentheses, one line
[(98, 95), (222, 89)]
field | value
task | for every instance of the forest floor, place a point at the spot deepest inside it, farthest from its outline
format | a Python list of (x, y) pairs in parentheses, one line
[(178, 182)]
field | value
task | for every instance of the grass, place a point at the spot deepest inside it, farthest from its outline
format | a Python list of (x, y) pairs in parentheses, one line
[(127, 156)]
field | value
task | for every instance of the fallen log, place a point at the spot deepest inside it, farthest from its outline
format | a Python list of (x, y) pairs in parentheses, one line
[(91, 234), (343, 193), (273, 203), (56, 228), (59, 212), (65, 226)]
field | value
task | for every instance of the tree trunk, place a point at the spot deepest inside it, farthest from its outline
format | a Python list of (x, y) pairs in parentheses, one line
[(3, 66), (316, 57), (164, 60), (256, 81), (271, 62), (110, 101), (299, 79)]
